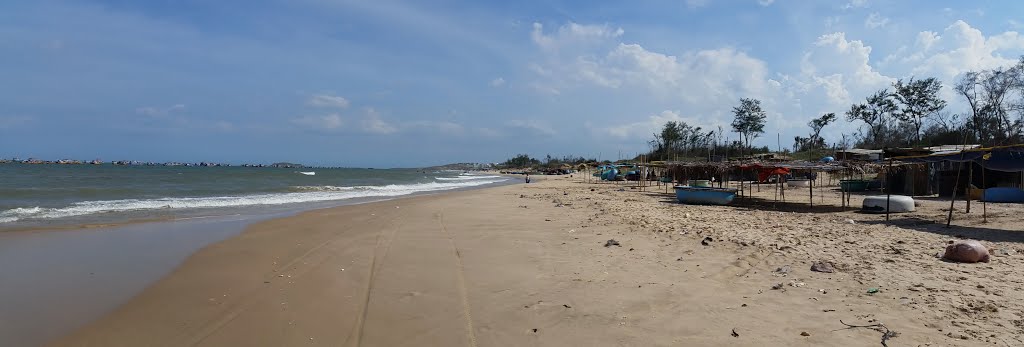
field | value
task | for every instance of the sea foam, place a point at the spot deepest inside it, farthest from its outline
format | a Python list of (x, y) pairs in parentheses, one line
[(299, 194)]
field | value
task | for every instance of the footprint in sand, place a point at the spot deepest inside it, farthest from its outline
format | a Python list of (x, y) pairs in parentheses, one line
[(409, 296)]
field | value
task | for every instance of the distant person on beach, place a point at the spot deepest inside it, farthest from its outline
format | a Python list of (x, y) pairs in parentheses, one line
[(527, 178)]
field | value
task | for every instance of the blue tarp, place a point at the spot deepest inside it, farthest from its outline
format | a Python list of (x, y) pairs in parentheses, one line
[(1007, 159)]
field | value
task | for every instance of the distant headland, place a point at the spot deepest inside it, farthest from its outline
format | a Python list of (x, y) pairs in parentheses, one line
[(35, 161)]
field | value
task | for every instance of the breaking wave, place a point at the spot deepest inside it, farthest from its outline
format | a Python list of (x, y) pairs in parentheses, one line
[(298, 194)]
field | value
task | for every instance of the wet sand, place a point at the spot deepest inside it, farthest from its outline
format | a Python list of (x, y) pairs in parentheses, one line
[(527, 265)]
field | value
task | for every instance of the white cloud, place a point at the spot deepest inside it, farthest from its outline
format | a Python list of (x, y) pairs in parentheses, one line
[(155, 111), (498, 82), (841, 69), (532, 126), (856, 4), (875, 20), (645, 128), (325, 100), (959, 48), (373, 123), (695, 76), (327, 122), (765, 2), (572, 35)]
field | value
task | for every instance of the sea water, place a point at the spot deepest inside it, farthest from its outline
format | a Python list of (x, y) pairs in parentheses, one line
[(39, 196)]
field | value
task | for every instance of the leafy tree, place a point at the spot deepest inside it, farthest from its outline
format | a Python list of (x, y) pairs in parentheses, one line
[(918, 99), (875, 113), (521, 161), (749, 119), (815, 141)]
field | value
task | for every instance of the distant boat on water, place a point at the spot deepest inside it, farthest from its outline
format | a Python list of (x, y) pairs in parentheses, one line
[(308, 173)]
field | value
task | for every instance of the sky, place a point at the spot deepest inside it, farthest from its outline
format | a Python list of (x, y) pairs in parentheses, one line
[(402, 83)]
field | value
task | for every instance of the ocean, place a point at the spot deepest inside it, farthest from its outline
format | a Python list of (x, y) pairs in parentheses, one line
[(41, 196)]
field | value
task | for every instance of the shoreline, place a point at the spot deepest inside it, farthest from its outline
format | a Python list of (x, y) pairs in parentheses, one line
[(528, 265), (110, 264)]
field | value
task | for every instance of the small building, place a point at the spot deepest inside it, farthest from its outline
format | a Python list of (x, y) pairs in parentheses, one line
[(859, 154)]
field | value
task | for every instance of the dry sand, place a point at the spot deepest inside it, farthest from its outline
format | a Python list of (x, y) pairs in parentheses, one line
[(527, 265)]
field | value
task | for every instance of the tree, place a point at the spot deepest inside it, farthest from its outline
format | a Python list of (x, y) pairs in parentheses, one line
[(991, 96), (875, 113), (968, 87), (918, 99), (815, 141), (818, 123), (749, 119)]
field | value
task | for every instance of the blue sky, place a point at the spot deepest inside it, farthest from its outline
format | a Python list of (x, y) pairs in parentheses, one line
[(407, 83)]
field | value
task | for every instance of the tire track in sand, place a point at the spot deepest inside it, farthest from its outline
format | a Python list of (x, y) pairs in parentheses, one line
[(463, 291), (383, 241)]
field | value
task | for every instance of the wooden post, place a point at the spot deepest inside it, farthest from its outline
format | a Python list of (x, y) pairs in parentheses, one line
[(952, 198), (811, 183), (984, 205), (888, 192), (970, 179)]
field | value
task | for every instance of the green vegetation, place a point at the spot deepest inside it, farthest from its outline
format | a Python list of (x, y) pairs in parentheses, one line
[(524, 161)]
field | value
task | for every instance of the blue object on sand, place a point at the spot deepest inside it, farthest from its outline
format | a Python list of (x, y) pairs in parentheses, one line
[(828, 159), (1003, 194), (705, 196)]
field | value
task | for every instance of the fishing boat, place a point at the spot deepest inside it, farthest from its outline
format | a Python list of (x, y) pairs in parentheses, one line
[(854, 185), (892, 203), (308, 173), (1003, 194), (699, 183), (705, 195)]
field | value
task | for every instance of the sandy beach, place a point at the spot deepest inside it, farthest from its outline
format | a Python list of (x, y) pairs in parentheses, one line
[(528, 264)]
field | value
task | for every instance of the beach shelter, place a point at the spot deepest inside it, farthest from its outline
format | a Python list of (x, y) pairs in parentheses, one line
[(1000, 158)]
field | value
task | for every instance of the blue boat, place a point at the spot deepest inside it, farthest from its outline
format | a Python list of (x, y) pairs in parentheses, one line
[(704, 196), (1003, 194)]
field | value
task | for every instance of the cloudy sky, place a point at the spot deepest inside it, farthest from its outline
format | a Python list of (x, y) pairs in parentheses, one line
[(390, 83)]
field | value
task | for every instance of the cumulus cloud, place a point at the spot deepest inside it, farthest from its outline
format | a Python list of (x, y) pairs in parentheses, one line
[(326, 100), (961, 48), (597, 58), (646, 127), (840, 69), (327, 122)]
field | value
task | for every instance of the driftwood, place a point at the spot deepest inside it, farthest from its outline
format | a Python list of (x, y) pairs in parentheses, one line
[(886, 333)]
